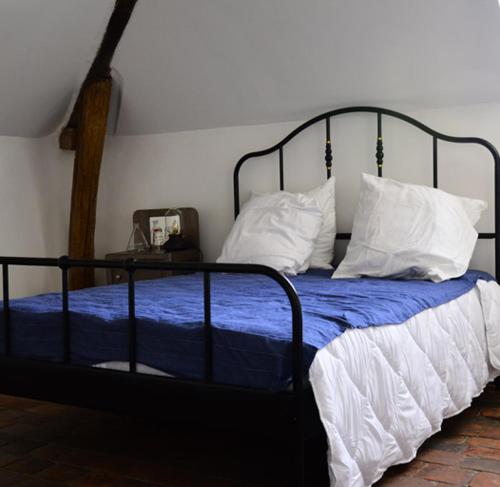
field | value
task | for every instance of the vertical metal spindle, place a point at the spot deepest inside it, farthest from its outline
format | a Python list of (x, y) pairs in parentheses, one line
[(380, 145), (282, 176), (65, 310), (328, 150), (132, 322), (435, 161), (208, 338), (6, 308), (236, 194)]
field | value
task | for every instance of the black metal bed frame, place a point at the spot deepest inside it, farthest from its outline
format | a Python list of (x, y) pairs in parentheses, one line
[(379, 155), (69, 383)]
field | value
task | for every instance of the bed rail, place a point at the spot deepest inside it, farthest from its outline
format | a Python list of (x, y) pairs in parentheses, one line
[(65, 264)]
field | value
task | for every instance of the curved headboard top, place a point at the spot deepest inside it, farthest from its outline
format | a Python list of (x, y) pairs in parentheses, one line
[(379, 156)]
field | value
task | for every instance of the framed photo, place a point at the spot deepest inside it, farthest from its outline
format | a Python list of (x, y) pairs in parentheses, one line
[(158, 225)]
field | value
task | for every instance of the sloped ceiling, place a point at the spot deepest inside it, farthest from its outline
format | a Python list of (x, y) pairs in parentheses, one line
[(191, 64), (46, 47)]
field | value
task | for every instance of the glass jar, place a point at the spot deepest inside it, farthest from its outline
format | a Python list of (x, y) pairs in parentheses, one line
[(137, 241)]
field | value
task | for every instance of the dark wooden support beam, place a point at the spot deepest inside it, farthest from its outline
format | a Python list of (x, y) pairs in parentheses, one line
[(85, 133), (100, 68), (88, 155)]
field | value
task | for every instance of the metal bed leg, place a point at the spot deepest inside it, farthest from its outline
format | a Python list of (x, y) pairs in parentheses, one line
[(299, 447)]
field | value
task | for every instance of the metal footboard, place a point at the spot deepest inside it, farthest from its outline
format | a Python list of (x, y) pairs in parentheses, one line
[(65, 264)]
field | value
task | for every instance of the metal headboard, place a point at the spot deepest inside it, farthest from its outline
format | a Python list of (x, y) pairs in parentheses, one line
[(379, 158)]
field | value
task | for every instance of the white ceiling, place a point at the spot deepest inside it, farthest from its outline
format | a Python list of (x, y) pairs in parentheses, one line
[(190, 64), (46, 47)]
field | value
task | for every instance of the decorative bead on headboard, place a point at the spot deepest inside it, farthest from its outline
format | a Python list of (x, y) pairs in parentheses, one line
[(380, 145), (328, 150)]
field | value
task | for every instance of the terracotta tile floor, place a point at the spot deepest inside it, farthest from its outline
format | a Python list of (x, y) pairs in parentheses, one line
[(46, 445)]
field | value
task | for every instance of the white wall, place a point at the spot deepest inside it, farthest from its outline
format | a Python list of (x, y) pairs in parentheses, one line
[(35, 188), (195, 169)]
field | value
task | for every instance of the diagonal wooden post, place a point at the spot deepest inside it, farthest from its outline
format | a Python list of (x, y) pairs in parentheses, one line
[(90, 137), (85, 133)]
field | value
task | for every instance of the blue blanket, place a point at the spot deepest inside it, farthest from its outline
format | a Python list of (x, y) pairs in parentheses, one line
[(251, 318)]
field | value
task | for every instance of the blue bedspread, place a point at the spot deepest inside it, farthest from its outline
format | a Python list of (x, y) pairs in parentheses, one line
[(251, 318)]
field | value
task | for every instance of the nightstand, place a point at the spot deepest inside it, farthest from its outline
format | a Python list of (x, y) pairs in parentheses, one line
[(118, 276), (141, 217)]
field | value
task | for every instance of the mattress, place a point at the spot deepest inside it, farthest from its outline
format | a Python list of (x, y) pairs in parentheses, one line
[(251, 318), (382, 391)]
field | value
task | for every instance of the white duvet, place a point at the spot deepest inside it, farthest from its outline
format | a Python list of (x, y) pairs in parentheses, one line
[(382, 391)]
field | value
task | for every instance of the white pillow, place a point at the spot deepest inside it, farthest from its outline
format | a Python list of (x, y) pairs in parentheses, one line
[(322, 254), (277, 230), (409, 231)]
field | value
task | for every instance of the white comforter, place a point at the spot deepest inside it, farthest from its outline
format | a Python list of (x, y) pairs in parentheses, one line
[(382, 391)]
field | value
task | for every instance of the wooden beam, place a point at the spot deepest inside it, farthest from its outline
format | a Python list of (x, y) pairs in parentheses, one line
[(85, 133), (100, 68), (91, 133)]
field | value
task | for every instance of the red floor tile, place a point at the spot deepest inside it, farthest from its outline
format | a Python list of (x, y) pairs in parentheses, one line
[(47, 445)]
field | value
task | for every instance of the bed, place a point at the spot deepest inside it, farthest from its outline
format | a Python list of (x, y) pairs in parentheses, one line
[(339, 358)]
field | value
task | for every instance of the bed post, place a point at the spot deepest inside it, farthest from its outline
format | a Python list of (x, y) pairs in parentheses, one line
[(132, 321), (298, 387), (63, 265), (299, 439), (6, 308), (207, 328), (497, 214)]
